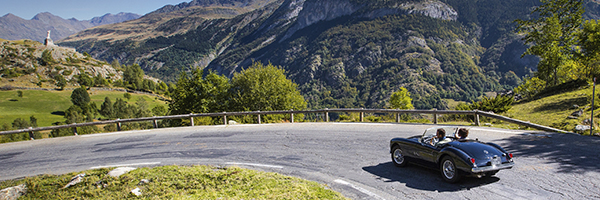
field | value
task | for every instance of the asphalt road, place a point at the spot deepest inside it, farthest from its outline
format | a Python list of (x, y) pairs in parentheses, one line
[(352, 158)]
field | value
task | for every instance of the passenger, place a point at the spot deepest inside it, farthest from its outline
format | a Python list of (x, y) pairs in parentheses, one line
[(461, 134)]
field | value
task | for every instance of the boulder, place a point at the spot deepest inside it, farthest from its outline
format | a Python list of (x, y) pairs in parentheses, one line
[(75, 180), (13, 193)]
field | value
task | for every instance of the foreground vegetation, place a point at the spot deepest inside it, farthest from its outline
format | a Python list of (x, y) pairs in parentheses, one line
[(175, 182)]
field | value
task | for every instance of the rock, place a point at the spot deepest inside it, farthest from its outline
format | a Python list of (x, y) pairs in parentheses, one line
[(120, 171), (586, 122), (231, 122), (13, 193), (136, 192), (488, 124), (571, 117), (101, 184), (144, 182), (582, 128), (575, 106), (578, 113), (75, 180)]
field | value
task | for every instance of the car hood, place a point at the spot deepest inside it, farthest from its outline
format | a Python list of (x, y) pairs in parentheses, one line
[(477, 150)]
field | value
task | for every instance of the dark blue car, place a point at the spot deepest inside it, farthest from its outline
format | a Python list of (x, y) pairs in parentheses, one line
[(454, 157)]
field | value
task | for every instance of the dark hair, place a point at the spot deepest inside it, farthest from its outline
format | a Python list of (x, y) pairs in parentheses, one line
[(441, 131), (463, 132)]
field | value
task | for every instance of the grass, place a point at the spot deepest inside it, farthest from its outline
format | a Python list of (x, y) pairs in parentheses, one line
[(47, 106), (175, 182), (553, 110)]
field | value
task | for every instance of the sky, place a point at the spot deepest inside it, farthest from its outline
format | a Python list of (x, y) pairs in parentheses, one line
[(81, 9)]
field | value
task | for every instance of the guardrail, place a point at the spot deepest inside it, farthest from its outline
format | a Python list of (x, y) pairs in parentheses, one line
[(435, 113)]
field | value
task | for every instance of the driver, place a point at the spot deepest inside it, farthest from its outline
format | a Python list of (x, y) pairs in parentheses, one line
[(440, 138)]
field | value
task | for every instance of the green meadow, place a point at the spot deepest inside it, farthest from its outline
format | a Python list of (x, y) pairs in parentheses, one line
[(48, 106)]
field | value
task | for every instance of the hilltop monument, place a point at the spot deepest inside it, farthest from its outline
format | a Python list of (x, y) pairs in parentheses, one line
[(48, 42)]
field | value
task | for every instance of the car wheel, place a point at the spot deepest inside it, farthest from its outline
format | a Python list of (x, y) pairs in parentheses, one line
[(449, 171), (398, 157)]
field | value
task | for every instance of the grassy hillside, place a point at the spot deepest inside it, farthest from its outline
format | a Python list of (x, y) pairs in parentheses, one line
[(47, 106), (553, 110)]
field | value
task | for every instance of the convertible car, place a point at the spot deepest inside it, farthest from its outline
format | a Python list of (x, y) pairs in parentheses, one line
[(452, 156)]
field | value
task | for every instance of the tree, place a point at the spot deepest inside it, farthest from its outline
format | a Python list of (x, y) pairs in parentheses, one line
[(264, 87), (589, 40), (60, 81), (401, 99), (127, 96), (498, 104), (106, 109), (85, 80), (552, 35), (197, 94), (80, 97), (47, 58), (134, 75)]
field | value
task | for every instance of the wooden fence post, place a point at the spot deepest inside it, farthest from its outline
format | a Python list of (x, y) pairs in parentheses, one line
[(476, 119), (362, 115), (75, 129), (397, 117), (435, 116), (155, 122), (326, 114), (224, 118), (31, 134), (118, 124), (292, 116), (259, 117), (191, 120)]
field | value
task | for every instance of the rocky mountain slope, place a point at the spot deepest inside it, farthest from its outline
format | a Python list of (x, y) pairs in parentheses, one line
[(342, 53), (27, 63), (16, 28)]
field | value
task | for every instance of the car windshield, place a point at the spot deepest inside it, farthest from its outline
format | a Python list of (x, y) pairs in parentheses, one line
[(431, 132)]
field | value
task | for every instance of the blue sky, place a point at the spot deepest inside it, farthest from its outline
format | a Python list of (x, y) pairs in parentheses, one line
[(81, 9)]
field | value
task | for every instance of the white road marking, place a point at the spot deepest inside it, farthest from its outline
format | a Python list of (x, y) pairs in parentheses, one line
[(114, 133), (357, 123), (365, 191), (255, 165), (495, 130), (125, 165)]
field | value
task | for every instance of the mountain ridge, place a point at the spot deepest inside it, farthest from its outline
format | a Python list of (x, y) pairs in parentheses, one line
[(342, 53), (17, 28)]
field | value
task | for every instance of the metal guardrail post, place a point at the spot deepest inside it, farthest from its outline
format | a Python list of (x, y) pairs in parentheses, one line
[(118, 124), (259, 117), (191, 119), (292, 116), (224, 118), (31, 134), (326, 114), (362, 115), (435, 116)]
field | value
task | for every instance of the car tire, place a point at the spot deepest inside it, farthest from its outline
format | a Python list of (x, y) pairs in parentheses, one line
[(449, 171), (398, 157)]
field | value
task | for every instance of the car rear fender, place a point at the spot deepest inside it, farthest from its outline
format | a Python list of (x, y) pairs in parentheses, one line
[(461, 159), (497, 147)]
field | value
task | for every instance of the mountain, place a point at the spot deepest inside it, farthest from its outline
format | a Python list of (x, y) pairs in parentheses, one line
[(16, 28), (342, 53)]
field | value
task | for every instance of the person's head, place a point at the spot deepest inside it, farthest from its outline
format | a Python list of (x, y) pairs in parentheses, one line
[(441, 133), (463, 133)]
